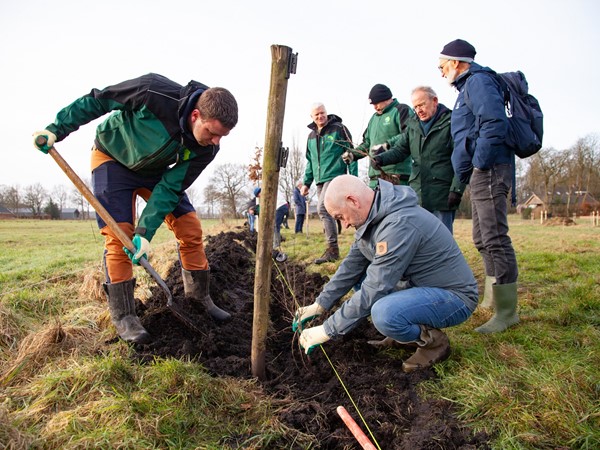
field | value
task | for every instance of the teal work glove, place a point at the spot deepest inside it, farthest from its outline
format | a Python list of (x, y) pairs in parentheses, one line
[(311, 337), (142, 248), (49, 143), (306, 313)]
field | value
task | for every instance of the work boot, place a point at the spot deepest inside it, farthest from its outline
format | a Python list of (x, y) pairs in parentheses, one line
[(121, 305), (433, 347), (488, 293), (332, 253), (388, 342), (196, 284), (505, 306)]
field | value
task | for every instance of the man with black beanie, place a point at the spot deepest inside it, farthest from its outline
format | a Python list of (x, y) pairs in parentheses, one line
[(383, 131)]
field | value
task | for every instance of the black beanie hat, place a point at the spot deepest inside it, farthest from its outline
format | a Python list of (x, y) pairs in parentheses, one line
[(458, 50), (379, 93)]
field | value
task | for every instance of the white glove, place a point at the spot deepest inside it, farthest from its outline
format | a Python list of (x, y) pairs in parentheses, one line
[(306, 313), (380, 148), (50, 140), (348, 157), (311, 337)]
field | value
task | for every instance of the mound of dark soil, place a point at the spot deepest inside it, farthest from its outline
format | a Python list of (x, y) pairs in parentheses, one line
[(386, 397)]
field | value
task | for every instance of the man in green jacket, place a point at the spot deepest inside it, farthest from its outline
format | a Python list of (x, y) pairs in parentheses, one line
[(155, 144), (428, 142), (384, 129), (327, 141)]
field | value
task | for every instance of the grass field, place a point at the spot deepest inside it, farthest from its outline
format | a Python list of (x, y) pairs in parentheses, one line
[(535, 386)]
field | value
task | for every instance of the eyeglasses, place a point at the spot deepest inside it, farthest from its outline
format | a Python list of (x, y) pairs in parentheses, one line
[(441, 66)]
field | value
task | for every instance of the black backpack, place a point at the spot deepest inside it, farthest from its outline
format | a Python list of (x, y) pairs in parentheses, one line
[(525, 117)]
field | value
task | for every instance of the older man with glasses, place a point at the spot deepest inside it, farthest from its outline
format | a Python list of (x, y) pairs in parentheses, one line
[(428, 142), (482, 158)]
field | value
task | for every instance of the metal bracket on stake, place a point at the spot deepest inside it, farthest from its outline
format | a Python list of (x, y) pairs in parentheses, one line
[(282, 156), (292, 63)]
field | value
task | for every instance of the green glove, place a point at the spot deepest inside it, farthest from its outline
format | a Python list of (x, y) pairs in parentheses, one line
[(48, 143), (306, 313), (311, 337), (142, 248)]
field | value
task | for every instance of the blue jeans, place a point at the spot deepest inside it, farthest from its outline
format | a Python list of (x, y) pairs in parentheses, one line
[(399, 314), (447, 218), (489, 197), (251, 219)]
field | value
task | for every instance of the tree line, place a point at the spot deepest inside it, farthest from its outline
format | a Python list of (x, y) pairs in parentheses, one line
[(556, 176)]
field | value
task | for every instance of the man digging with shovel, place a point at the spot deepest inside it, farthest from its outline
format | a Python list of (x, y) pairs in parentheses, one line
[(158, 140)]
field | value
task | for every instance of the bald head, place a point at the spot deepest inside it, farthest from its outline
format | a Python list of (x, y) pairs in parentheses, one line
[(348, 199)]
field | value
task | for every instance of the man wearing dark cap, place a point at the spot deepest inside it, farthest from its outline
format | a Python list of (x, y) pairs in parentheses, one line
[(383, 131), (482, 158)]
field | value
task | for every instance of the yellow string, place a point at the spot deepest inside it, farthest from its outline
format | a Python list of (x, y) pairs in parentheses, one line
[(333, 367)]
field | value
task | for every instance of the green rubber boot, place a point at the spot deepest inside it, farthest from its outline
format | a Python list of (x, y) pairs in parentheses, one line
[(488, 293), (505, 303)]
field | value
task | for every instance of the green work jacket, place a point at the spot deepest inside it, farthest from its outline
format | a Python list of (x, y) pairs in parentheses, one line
[(432, 176)]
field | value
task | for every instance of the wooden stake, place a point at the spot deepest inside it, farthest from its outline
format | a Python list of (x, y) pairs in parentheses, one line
[(282, 58)]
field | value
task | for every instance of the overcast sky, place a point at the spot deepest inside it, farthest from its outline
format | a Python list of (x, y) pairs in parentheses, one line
[(54, 52)]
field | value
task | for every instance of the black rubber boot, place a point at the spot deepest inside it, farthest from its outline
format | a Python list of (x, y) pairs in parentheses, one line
[(196, 284), (121, 305)]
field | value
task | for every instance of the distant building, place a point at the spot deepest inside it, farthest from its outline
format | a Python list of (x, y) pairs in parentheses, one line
[(580, 203), (70, 214), (5, 213)]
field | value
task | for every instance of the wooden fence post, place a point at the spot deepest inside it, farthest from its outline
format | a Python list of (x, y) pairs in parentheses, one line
[(283, 63)]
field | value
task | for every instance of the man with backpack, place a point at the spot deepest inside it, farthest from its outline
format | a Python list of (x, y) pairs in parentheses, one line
[(482, 158)]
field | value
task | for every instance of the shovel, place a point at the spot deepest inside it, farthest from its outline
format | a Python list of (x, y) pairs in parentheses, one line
[(112, 224)]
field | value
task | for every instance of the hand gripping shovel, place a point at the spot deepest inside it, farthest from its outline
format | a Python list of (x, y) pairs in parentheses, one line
[(112, 224)]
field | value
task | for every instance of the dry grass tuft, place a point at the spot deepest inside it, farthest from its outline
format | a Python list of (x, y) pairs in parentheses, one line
[(38, 348), (9, 329), (10, 436), (91, 286)]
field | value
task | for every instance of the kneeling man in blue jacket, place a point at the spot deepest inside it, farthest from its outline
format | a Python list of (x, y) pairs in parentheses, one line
[(416, 279)]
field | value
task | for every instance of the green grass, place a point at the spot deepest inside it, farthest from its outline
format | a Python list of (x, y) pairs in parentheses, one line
[(535, 386)]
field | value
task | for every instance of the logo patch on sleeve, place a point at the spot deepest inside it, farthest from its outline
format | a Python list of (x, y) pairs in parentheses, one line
[(381, 248)]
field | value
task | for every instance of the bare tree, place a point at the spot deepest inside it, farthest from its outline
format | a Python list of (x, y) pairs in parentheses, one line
[(60, 195), (11, 198), (211, 199), (293, 171), (79, 200), (229, 181), (35, 196)]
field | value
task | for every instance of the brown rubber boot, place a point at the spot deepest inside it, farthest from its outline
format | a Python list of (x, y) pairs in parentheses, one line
[(121, 305), (433, 347), (332, 253), (196, 284)]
